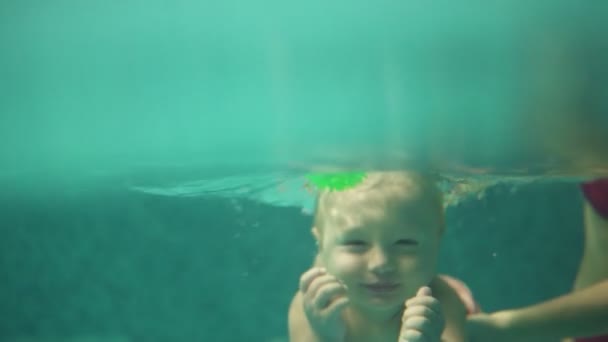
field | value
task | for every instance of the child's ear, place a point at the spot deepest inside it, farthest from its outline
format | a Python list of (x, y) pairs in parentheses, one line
[(317, 235)]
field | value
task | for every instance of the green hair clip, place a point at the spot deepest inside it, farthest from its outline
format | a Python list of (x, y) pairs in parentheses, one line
[(336, 181)]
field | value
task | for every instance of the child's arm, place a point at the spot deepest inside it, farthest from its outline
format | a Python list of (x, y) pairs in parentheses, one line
[(299, 328), (315, 313)]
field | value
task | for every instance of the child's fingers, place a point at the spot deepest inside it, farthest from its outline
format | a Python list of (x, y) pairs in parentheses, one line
[(430, 302), (336, 306), (424, 291), (423, 314), (411, 335), (318, 283), (423, 329), (328, 291), (421, 311), (418, 323), (308, 276)]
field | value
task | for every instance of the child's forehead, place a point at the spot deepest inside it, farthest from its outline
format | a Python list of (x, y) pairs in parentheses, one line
[(386, 199), (390, 188), (377, 204), (395, 217), (386, 226)]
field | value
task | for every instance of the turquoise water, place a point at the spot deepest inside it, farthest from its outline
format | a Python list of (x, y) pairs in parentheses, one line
[(124, 265), (152, 154), (103, 89)]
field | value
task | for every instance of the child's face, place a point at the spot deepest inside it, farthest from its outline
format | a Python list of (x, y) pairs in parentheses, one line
[(383, 251)]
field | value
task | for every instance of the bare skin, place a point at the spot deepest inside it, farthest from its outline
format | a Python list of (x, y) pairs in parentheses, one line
[(374, 276), (583, 312), (452, 308)]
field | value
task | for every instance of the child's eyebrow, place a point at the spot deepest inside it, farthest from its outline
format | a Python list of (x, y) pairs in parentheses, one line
[(345, 229)]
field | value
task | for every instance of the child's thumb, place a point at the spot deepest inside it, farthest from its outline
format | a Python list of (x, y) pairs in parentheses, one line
[(424, 291)]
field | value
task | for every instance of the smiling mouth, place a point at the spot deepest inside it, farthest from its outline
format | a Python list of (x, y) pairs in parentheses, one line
[(381, 287)]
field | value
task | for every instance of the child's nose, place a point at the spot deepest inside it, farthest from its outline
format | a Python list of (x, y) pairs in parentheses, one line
[(380, 261)]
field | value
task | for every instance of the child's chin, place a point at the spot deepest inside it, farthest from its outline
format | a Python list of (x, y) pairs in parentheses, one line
[(384, 302)]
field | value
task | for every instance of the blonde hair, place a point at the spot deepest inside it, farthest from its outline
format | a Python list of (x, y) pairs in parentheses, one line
[(381, 188)]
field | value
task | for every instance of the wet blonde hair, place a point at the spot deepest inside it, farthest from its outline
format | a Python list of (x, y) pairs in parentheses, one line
[(380, 188)]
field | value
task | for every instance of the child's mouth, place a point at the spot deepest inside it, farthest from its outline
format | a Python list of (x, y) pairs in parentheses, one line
[(381, 288)]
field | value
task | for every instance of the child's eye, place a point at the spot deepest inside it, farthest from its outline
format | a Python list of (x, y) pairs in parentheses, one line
[(407, 242), (355, 243)]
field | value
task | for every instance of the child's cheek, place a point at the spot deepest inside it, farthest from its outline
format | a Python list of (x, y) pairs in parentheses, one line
[(418, 272), (346, 267)]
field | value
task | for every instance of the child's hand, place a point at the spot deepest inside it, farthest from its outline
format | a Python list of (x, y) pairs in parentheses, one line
[(422, 319), (324, 300)]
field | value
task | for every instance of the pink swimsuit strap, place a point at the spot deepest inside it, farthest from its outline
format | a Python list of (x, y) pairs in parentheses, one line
[(596, 193)]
